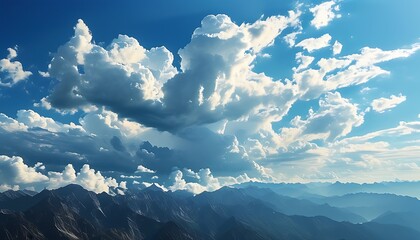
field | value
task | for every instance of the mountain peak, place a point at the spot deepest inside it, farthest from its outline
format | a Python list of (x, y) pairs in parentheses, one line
[(154, 187), (71, 187)]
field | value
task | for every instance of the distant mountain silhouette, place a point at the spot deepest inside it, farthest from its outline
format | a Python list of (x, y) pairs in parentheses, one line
[(407, 219), (326, 189), (372, 205)]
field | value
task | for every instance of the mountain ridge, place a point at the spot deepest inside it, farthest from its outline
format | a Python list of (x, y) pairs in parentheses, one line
[(72, 212)]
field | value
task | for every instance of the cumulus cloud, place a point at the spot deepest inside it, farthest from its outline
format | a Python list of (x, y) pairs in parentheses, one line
[(216, 71), (15, 174), (10, 124), (88, 178), (214, 112), (58, 144), (205, 181), (266, 173), (32, 119), (324, 13), (383, 104), (312, 44), (13, 70), (215, 95)]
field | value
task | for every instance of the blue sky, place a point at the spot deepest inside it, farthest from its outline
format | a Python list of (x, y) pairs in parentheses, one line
[(198, 95)]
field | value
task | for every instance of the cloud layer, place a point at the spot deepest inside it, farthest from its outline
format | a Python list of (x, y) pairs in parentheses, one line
[(215, 120)]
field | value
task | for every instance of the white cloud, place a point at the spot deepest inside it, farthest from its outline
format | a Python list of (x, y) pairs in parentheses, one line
[(39, 165), (13, 171), (215, 89), (365, 90), (370, 56), (337, 47), (130, 177), (303, 61), (143, 169), (383, 104), (44, 74), (335, 118), (206, 181), (290, 38), (10, 124), (377, 152), (15, 174), (352, 69), (312, 44), (219, 57), (88, 178), (266, 173), (13, 70), (33, 119), (108, 124), (215, 96), (5, 187), (324, 13)]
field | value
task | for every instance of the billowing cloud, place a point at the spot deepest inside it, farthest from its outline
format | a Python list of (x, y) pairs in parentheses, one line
[(88, 178), (13, 70), (15, 174), (10, 124), (216, 116), (312, 44), (216, 73), (324, 13), (383, 104), (32, 119)]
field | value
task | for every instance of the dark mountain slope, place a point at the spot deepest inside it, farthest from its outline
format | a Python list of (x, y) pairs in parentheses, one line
[(15, 226)]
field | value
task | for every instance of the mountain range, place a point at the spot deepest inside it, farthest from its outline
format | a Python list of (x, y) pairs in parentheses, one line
[(241, 212)]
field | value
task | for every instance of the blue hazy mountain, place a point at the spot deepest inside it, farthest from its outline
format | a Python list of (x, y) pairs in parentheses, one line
[(407, 219), (372, 205), (283, 204), (313, 190)]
